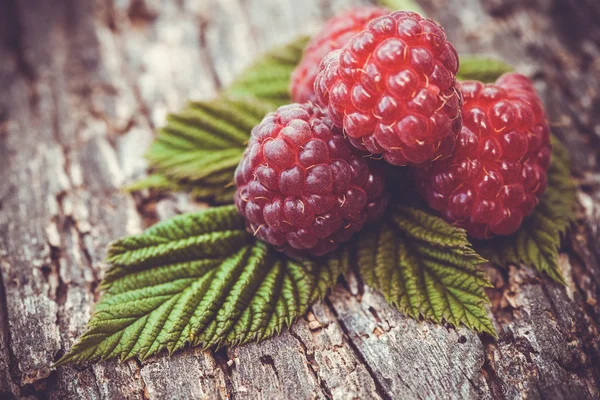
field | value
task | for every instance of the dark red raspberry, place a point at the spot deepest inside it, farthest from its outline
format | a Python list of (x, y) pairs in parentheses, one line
[(498, 170), (393, 89), (335, 34), (302, 187)]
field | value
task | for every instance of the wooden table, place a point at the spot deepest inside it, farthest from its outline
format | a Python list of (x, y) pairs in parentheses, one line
[(83, 85)]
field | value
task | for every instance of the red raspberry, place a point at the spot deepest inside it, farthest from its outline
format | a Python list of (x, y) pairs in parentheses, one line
[(301, 186), (393, 89), (335, 34), (498, 170)]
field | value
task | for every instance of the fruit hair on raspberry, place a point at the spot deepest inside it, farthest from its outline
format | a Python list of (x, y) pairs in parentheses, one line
[(392, 89), (499, 167), (335, 33), (302, 187)]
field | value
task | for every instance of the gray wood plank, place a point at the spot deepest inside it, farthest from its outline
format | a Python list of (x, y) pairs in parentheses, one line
[(84, 83)]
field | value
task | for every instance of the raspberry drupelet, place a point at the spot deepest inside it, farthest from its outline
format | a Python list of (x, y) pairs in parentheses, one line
[(392, 89), (336, 33), (498, 170), (302, 187)]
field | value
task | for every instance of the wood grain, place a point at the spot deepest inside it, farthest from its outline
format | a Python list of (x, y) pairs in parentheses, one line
[(84, 83)]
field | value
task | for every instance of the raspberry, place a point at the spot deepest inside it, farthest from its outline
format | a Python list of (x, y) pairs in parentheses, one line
[(302, 187), (393, 89), (498, 170), (335, 34)]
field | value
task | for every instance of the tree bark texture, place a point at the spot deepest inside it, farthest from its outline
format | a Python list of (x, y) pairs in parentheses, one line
[(84, 83)]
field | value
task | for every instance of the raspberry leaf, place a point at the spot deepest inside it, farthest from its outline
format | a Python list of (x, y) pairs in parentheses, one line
[(481, 68), (200, 279), (405, 5), (536, 243), (425, 267), (200, 147), (269, 78), (219, 188)]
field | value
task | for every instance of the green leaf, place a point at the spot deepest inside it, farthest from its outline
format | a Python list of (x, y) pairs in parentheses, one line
[(220, 191), (537, 242), (269, 78), (425, 267), (157, 182), (405, 5), (481, 68), (200, 279), (199, 148)]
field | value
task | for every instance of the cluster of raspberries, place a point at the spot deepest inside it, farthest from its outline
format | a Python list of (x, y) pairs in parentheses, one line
[(376, 86)]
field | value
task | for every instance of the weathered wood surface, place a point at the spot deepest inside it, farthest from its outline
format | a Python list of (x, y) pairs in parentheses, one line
[(83, 84)]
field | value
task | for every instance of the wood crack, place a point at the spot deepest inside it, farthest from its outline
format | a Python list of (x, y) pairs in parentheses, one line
[(206, 58), (221, 359), (489, 373), (357, 353), (13, 365), (312, 366), (144, 389)]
